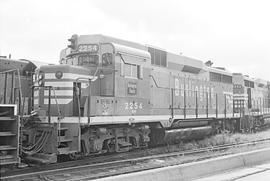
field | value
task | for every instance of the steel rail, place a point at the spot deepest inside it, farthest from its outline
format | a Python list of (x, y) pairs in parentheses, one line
[(132, 161)]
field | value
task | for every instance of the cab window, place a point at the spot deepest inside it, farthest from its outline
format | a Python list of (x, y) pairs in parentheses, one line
[(88, 60), (131, 70), (106, 59)]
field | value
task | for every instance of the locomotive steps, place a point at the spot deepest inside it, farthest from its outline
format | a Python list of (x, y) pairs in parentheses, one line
[(199, 169)]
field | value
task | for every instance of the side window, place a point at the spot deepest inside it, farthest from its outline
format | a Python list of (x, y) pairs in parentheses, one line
[(131, 70), (128, 70)]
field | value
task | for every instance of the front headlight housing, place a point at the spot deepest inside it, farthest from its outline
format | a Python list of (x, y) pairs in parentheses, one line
[(41, 78), (41, 83)]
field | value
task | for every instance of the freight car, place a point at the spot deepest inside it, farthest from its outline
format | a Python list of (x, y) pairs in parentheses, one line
[(112, 95), (15, 101)]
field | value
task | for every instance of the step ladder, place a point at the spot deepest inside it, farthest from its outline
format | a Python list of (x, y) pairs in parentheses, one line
[(9, 135), (64, 141)]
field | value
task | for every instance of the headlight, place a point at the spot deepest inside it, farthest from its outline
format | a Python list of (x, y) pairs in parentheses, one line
[(41, 83), (40, 76)]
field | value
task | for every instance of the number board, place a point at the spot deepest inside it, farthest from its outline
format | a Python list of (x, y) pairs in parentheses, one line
[(133, 106), (93, 48), (132, 88)]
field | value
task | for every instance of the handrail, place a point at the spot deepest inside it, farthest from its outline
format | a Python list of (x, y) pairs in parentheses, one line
[(8, 71), (79, 107), (153, 78), (89, 97), (56, 101), (20, 91), (208, 96), (58, 111)]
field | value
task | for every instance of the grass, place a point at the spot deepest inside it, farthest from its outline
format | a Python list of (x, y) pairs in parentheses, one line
[(215, 140), (225, 138)]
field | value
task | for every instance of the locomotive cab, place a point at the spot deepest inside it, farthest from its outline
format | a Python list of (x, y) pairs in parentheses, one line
[(109, 76)]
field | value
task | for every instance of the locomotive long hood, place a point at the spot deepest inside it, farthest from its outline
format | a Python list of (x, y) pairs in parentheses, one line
[(185, 64)]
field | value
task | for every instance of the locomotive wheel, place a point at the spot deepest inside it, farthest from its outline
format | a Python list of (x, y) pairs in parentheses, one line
[(110, 145), (74, 156)]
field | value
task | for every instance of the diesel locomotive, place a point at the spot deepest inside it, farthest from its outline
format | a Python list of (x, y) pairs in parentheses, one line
[(112, 95)]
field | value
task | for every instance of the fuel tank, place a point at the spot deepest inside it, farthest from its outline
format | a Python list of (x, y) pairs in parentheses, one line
[(189, 123), (162, 136), (182, 134)]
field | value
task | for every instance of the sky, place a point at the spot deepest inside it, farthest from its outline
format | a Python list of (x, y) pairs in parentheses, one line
[(234, 34)]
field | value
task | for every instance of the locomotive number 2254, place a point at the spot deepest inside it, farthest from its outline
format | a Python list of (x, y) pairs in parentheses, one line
[(133, 105)]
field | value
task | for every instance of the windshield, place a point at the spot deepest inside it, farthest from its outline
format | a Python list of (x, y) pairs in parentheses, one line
[(89, 60)]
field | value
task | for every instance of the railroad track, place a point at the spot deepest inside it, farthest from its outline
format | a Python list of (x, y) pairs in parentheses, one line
[(93, 168)]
